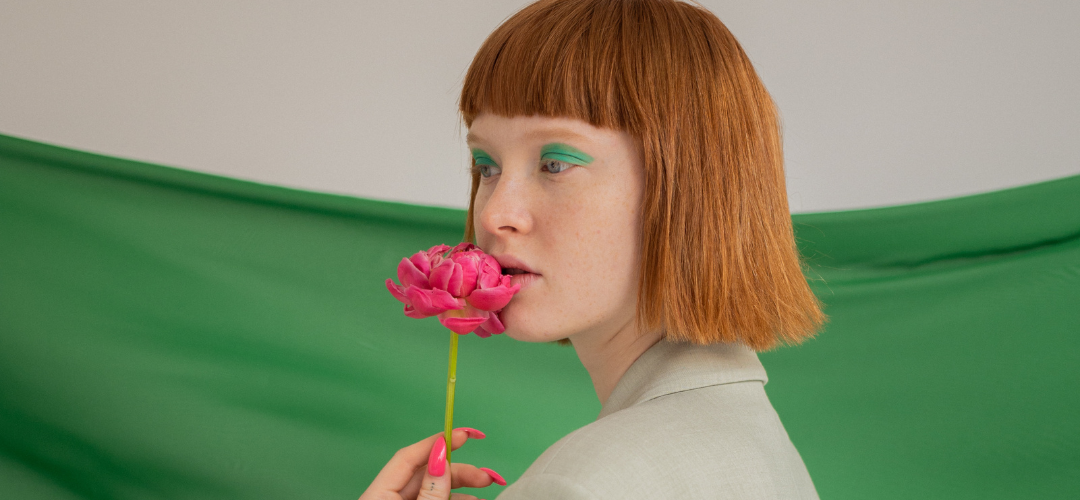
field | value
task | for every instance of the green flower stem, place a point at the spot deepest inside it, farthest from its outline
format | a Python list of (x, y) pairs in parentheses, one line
[(451, 380)]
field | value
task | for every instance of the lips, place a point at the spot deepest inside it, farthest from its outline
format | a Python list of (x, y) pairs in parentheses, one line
[(513, 266)]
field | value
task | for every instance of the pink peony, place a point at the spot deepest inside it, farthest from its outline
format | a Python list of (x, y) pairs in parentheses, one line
[(465, 289)]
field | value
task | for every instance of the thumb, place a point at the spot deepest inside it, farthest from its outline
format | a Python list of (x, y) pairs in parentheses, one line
[(436, 483)]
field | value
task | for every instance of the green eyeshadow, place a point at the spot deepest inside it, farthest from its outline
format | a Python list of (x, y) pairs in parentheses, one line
[(563, 152), (482, 158)]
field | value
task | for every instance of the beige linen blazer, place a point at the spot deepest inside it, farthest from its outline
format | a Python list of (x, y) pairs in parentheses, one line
[(684, 422)]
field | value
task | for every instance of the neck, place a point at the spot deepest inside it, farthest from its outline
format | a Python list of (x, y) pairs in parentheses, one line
[(608, 355)]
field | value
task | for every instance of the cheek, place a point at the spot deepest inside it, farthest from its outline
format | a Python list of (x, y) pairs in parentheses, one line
[(595, 244), (482, 237)]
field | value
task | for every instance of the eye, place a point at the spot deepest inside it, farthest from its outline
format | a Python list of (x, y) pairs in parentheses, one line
[(554, 166), (486, 171), (483, 164)]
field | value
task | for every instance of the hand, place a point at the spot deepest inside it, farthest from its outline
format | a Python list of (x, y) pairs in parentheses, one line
[(419, 472)]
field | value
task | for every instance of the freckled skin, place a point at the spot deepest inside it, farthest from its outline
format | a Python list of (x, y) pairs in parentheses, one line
[(579, 228)]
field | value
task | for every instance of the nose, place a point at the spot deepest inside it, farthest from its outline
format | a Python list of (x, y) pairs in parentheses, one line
[(506, 212)]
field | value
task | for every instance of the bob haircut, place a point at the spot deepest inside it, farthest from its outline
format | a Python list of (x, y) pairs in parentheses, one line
[(719, 261)]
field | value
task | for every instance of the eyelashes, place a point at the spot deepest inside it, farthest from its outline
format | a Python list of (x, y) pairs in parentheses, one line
[(550, 165), (560, 166), (484, 170)]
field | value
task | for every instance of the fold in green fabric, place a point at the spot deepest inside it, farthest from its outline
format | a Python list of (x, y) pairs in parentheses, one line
[(171, 334)]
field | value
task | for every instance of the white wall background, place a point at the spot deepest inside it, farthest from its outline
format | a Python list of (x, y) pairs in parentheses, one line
[(884, 102)]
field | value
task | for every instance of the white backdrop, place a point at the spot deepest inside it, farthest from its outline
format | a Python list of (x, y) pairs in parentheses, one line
[(883, 102)]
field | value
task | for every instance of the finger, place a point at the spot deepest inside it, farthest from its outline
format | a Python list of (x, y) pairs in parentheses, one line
[(436, 482), (402, 472), (462, 496), (470, 433), (462, 476), (469, 476)]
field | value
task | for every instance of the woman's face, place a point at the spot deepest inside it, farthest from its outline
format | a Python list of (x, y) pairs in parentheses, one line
[(559, 204)]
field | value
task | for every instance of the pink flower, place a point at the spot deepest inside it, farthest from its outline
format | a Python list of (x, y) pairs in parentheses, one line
[(465, 288)]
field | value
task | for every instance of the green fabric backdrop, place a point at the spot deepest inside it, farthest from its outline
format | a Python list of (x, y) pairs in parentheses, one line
[(170, 334)]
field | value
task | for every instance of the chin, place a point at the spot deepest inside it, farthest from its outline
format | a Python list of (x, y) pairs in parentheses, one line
[(520, 325), (530, 336)]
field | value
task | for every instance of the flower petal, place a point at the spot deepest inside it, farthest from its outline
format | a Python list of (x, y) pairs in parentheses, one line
[(493, 326), (462, 325), (490, 272), (481, 332), (492, 299), (454, 285), (410, 275), (469, 263), (397, 291), (463, 247), (431, 302), (411, 312), (435, 255), (440, 276)]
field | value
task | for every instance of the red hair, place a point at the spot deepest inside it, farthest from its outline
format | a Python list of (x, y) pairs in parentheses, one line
[(719, 261)]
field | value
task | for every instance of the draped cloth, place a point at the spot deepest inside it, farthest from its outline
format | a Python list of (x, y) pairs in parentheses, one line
[(171, 334)]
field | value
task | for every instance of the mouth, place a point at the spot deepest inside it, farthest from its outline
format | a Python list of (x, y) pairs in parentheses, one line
[(512, 266), (519, 276)]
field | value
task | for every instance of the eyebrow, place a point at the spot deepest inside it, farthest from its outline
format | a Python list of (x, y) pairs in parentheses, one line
[(553, 133)]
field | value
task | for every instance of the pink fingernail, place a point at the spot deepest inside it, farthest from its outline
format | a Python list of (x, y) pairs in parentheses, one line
[(436, 462), (473, 433), (494, 476)]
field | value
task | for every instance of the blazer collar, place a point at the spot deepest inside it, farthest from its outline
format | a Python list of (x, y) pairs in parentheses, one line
[(669, 367)]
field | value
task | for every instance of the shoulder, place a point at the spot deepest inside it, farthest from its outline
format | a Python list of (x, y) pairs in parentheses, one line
[(721, 441)]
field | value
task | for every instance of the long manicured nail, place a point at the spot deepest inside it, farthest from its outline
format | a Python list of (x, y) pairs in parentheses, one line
[(436, 462), (494, 476), (473, 433)]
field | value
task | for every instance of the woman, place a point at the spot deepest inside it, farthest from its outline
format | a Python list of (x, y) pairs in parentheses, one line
[(628, 171)]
